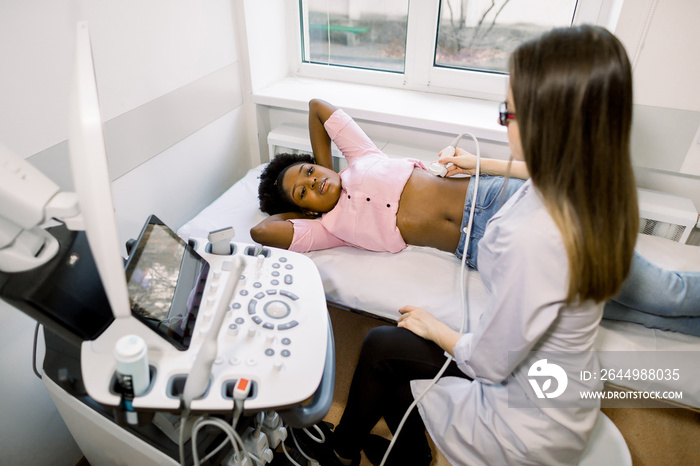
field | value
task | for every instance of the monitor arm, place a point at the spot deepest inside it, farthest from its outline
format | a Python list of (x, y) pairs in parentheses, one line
[(28, 199)]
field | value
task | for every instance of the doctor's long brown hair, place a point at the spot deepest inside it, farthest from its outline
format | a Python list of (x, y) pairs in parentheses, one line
[(572, 92)]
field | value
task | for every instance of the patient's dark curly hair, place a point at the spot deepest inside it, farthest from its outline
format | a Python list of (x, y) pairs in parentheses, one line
[(272, 199)]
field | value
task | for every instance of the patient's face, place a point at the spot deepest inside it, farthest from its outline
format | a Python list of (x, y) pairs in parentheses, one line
[(312, 187)]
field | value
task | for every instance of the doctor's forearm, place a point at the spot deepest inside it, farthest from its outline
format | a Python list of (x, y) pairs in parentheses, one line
[(497, 167)]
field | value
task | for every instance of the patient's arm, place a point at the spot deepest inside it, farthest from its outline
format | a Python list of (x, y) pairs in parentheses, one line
[(275, 230), (465, 163), (319, 112)]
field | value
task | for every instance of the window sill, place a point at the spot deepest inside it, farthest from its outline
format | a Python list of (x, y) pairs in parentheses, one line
[(411, 109)]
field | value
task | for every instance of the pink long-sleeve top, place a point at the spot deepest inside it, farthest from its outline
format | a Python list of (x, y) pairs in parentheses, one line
[(365, 215)]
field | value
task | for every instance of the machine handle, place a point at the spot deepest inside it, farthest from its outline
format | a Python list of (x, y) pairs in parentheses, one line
[(316, 410), (198, 379)]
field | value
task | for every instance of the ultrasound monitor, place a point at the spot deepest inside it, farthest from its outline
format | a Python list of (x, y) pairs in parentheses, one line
[(165, 279)]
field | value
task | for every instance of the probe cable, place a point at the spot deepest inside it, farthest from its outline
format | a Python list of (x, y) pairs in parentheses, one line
[(229, 429), (36, 336), (465, 302)]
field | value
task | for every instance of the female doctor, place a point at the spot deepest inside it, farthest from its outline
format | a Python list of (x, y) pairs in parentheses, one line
[(549, 259)]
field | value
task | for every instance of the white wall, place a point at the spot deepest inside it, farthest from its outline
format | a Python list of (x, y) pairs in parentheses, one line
[(267, 25), (661, 40), (172, 98)]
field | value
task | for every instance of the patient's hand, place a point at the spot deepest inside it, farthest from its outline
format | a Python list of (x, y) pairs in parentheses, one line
[(424, 324)]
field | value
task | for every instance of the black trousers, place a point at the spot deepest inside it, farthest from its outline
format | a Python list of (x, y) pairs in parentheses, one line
[(390, 358)]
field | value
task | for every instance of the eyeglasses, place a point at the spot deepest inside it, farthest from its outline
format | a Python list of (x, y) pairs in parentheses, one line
[(504, 116)]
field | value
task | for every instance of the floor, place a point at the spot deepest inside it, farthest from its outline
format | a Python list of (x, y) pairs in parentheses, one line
[(349, 330)]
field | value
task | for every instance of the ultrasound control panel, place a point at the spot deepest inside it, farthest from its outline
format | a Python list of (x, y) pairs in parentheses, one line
[(274, 333)]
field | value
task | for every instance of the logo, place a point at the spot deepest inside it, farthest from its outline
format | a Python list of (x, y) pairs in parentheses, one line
[(543, 369)]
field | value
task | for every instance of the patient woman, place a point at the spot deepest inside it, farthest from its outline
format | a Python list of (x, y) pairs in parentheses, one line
[(378, 203), (550, 257), (384, 204)]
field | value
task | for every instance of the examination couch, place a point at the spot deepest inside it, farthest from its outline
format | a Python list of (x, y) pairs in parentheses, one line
[(379, 284)]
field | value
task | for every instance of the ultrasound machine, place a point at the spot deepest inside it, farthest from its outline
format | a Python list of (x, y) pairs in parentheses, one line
[(232, 340)]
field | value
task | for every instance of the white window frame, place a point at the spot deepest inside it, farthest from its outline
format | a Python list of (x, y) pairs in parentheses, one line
[(419, 73)]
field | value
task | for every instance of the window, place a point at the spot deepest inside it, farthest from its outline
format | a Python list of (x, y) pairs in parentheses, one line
[(448, 46), (480, 35), (370, 35)]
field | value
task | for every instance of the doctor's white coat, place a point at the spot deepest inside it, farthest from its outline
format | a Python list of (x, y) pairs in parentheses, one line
[(498, 418)]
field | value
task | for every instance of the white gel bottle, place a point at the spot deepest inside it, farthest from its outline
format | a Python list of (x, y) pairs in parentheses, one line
[(131, 354)]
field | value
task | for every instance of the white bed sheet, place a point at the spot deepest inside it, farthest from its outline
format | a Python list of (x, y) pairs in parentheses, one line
[(382, 283)]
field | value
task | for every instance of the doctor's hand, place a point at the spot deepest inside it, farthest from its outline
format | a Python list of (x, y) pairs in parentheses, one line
[(462, 163), (424, 324)]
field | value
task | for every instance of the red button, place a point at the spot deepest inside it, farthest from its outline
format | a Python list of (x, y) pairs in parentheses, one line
[(242, 385)]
